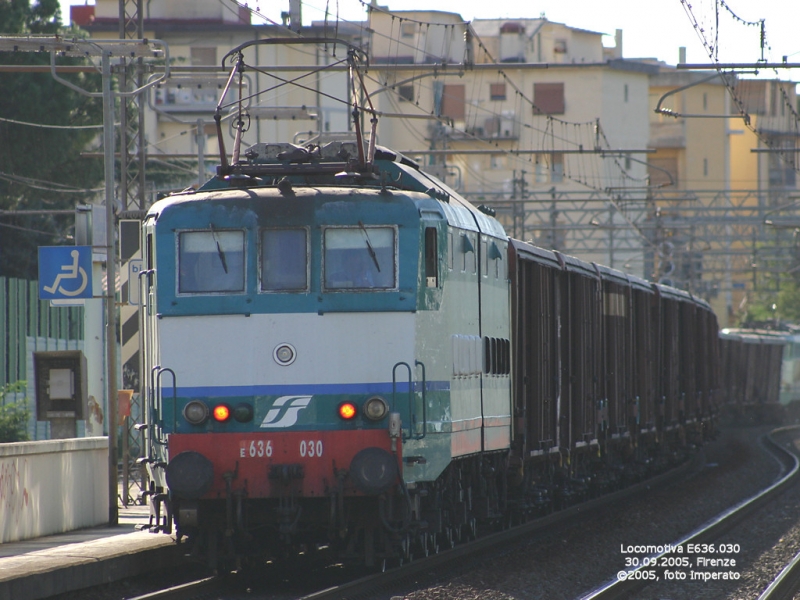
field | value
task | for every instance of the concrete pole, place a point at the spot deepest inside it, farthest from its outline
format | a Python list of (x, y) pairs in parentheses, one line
[(111, 276), (201, 152)]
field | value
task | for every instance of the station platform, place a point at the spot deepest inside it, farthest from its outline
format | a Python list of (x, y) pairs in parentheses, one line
[(57, 564)]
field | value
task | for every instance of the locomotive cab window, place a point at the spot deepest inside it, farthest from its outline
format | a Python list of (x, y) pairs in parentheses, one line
[(284, 260), (431, 258), (484, 257), (450, 250), (468, 249), (495, 257), (210, 261), (360, 258)]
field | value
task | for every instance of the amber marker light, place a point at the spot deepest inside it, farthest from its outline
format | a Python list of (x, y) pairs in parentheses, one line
[(222, 412), (347, 410)]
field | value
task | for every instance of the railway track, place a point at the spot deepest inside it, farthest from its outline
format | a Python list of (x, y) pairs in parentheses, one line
[(185, 591), (698, 553), (369, 586), (784, 586), (365, 587), (408, 577)]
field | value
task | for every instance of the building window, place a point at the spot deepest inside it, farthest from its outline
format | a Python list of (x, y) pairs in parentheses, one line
[(407, 30), (625, 92), (405, 93), (705, 167), (203, 56), (705, 101), (556, 167), (453, 102), (550, 169), (201, 96), (541, 171), (284, 260), (497, 91), (210, 261), (663, 171), (548, 98)]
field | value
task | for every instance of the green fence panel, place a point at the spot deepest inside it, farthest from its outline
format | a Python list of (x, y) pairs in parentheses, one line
[(23, 315)]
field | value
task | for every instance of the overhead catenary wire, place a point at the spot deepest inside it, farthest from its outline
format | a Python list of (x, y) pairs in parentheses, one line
[(712, 51), (49, 126)]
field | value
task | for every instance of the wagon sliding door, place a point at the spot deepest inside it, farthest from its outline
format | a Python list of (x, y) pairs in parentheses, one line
[(535, 325)]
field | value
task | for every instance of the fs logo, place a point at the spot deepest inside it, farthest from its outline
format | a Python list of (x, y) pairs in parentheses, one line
[(284, 411)]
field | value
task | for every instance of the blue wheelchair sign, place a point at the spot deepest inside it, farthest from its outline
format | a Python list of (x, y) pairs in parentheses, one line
[(65, 272)]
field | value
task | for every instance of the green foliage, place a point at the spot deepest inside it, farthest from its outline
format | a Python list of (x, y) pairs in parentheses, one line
[(771, 307), (789, 302), (40, 168), (13, 416)]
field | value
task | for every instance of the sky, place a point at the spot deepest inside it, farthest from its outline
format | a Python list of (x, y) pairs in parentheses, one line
[(651, 28)]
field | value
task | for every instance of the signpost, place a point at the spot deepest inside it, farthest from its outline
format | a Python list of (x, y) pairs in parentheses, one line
[(65, 272)]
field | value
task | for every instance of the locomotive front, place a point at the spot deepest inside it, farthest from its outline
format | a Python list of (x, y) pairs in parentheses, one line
[(285, 358)]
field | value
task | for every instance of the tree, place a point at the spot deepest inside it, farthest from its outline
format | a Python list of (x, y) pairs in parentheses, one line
[(769, 308), (41, 168), (13, 416)]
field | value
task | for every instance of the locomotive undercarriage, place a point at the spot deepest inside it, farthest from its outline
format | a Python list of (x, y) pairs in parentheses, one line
[(373, 531), (475, 494)]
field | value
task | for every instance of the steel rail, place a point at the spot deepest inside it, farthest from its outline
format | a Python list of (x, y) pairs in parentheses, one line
[(185, 591), (366, 586), (627, 581), (785, 584)]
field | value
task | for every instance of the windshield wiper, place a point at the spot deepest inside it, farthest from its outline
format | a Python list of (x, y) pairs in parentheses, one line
[(370, 249), (220, 252)]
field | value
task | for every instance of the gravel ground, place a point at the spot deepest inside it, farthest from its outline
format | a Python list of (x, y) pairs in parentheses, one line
[(579, 559)]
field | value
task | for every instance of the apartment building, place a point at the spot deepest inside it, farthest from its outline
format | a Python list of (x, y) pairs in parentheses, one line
[(538, 118), (723, 161)]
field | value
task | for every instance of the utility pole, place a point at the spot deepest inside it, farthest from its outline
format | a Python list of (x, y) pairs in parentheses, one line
[(611, 210), (518, 204), (131, 132), (553, 221), (103, 50)]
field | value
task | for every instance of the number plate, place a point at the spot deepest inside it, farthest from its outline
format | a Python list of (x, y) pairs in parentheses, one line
[(305, 448)]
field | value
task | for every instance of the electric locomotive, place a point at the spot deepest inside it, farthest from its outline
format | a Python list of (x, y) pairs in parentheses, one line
[(319, 346)]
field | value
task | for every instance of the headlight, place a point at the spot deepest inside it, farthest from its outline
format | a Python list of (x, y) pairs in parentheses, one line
[(243, 412), (284, 354), (222, 412), (347, 410), (376, 408), (196, 412)]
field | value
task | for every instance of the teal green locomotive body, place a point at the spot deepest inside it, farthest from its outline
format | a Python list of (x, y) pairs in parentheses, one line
[(321, 342)]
